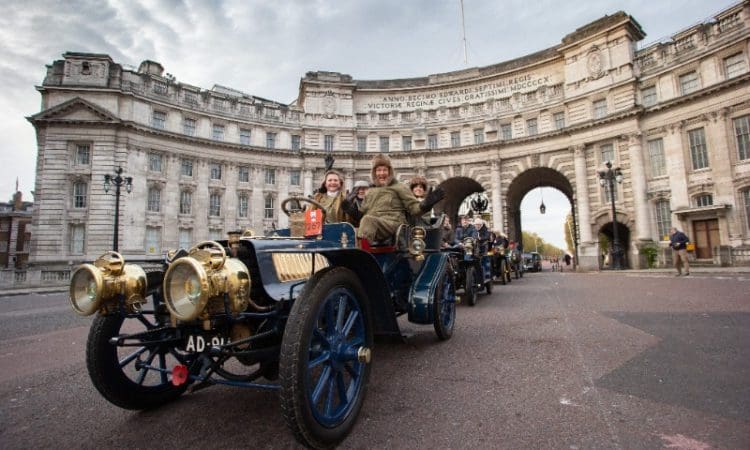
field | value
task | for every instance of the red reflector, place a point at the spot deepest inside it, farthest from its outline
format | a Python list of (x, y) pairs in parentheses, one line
[(179, 375)]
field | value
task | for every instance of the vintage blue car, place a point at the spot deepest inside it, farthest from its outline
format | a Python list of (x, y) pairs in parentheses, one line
[(473, 269), (287, 312)]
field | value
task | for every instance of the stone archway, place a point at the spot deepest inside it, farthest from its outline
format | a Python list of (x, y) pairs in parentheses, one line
[(456, 190), (527, 181)]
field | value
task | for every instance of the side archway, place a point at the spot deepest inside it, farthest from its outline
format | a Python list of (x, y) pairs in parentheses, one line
[(456, 190)]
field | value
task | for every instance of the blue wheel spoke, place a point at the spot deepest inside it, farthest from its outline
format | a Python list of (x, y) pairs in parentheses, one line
[(341, 385), (144, 370), (163, 365), (350, 321), (353, 373), (331, 391), (128, 359), (322, 381), (325, 356), (341, 313)]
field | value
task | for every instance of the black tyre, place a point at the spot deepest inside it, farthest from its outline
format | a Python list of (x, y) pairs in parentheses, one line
[(444, 304), (471, 287), (133, 376), (323, 383), (488, 287)]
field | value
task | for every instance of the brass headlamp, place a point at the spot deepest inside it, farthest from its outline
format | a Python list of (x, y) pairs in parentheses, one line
[(96, 286), (417, 244), (195, 285)]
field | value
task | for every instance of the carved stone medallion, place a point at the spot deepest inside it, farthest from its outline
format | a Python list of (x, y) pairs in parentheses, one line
[(594, 63)]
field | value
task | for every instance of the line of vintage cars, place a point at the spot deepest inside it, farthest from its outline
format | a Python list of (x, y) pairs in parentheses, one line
[(293, 312)]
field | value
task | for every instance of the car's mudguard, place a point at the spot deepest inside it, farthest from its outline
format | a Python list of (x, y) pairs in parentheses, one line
[(422, 292)]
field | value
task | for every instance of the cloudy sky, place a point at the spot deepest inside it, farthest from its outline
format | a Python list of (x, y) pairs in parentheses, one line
[(264, 47)]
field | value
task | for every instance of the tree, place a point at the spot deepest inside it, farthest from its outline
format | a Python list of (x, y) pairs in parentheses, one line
[(532, 242), (569, 229)]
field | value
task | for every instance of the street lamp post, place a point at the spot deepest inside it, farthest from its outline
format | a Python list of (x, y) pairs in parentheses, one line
[(608, 177), (118, 180)]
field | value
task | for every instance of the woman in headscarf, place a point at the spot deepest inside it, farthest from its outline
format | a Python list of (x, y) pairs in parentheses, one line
[(330, 194)]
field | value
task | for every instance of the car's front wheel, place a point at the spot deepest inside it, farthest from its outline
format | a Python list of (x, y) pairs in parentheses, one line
[(444, 304)]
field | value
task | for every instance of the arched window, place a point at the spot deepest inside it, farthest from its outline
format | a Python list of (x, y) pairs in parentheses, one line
[(703, 200)]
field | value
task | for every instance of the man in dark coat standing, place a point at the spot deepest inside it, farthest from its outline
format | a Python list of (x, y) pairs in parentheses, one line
[(678, 241)]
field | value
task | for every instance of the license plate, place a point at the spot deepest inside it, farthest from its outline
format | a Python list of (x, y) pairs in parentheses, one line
[(199, 343)]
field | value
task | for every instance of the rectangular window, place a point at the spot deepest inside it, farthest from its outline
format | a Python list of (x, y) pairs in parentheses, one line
[(384, 117), (154, 200), (214, 205), (663, 219), (188, 126), (244, 174), (735, 65), (742, 133), (270, 140), (190, 99), (268, 207), (689, 83), (361, 144), (406, 143), (607, 152), (478, 109), (648, 96), (704, 200), (186, 168), (242, 205), (746, 200), (245, 136), (506, 131), (406, 116), (296, 142), (432, 114), (531, 127), (607, 197), (160, 87), (270, 176), (559, 119), (455, 139), (186, 202), (186, 238), (215, 234), (295, 176), (698, 150), (384, 143), (656, 157), (432, 142), (77, 239), (155, 162), (217, 132), (361, 117), (600, 109), (153, 240), (83, 154), (479, 136), (453, 112), (80, 192), (215, 169), (159, 120), (328, 142)]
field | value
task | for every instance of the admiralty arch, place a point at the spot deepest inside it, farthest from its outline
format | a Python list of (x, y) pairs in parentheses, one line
[(673, 115)]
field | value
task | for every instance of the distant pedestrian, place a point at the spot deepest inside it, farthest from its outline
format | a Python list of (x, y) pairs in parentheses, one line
[(678, 241)]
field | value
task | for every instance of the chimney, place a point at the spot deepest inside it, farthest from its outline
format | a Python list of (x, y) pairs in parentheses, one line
[(17, 202)]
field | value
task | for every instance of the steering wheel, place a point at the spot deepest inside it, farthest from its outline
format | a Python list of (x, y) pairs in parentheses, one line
[(299, 200)]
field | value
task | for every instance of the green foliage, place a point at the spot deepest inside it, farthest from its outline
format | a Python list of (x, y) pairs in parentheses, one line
[(533, 243), (568, 230), (652, 253)]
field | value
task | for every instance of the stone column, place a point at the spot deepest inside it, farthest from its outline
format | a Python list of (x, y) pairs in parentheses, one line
[(307, 182), (497, 197), (258, 199), (638, 180), (282, 193), (588, 249), (676, 159)]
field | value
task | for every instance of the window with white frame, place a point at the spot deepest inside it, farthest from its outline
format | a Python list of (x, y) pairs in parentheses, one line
[(600, 108), (217, 132), (742, 134), (270, 140), (153, 240), (154, 199), (328, 142), (188, 126), (648, 96), (607, 152), (242, 205), (296, 142), (268, 207), (215, 171), (186, 202), (432, 141), (83, 154), (270, 176), (455, 138), (406, 143), (663, 219), (735, 65), (186, 238), (214, 205), (245, 135), (77, 238), (243, 175), (186, 167), (531, 127), (361, 144), (689, 83), (479, 136), (703, 200), (656, 157), (559, 119), (155, 162), (159, 119), (746, 201), (295, 176), (698, 149), (80, 194), (506, 131), (384, 143)]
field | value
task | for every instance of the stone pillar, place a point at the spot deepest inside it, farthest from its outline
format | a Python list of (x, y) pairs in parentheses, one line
[(258, 199), (283, 192), (497, 197), (638, 180), (307, 182), (676, 161), (587, 247)]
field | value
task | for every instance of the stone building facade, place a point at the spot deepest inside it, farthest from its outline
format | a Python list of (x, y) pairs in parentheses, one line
[(674, 116)]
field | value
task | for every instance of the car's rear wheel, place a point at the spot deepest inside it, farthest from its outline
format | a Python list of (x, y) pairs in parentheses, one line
[(324, 363), (444, 304)]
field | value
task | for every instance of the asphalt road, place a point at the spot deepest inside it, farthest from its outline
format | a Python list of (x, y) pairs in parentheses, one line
[(563, 361)]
